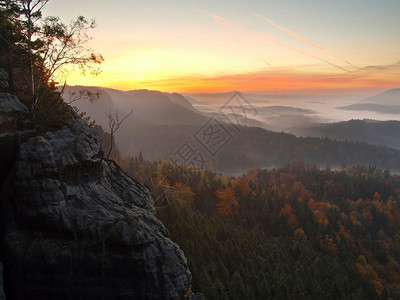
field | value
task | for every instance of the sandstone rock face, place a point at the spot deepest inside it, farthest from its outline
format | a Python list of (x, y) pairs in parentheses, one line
[(76, 227), (2, 295)]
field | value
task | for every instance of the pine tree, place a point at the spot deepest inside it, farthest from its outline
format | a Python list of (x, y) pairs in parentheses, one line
[(237, 289)]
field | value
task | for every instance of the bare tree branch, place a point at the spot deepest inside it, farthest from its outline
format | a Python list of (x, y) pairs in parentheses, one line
[(83, 94), (114, 123)]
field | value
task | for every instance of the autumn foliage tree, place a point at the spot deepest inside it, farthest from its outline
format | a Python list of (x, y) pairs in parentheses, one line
[(243, 186), (287, 211), (184, 194), (226, 201)]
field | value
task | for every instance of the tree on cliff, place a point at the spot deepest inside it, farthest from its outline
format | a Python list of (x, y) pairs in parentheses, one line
[(114, 123), (10, 38), (31, 13), (45, 48)]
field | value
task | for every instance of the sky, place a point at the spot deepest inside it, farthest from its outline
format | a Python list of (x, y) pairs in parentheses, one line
[(261, 46)]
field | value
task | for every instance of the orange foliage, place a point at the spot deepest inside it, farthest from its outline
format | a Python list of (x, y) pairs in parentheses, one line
[(329, 245), (323, 207), (378, 286), (378, 205), (276, 190), (293, 221), (305, 194), (366, 270), (287, 195), (319, 217), (319, 209), (346, 235), (298, 186), (184, 193), (227, 200), (312, 204), (251, 174), (354, 219), (287, 210), (285, 179), (377, 196), (393, 212), (368, 216), (243, 185), (141, 173)]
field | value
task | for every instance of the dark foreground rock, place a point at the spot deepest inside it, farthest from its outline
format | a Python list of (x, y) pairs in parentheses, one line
[(74, 226), (2, 295)]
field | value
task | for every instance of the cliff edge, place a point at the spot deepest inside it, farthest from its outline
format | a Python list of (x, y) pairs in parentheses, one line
[(74, 226)]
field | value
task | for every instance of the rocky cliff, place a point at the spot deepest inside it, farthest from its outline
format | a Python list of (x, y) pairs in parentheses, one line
[(74, 226)]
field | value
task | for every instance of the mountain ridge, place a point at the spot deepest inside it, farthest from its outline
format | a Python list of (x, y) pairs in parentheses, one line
[(374, 132), (250, 146)]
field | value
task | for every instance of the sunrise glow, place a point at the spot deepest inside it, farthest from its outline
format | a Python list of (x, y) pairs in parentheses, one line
[(209, 47)]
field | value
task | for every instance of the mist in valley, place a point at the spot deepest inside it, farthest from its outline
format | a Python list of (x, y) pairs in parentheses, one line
[(252, 129), (292, 113)]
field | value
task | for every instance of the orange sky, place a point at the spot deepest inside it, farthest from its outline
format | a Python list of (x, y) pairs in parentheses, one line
[(205, 46), (271, 81)]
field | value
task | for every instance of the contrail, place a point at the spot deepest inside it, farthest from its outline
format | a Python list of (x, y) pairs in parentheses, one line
[(382, 67), (302, 38), (227, 25), (289, 31)]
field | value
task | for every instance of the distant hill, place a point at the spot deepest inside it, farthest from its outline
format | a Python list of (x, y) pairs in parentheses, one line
[(149, 106), (156, 107), (257, 147), (387, 102), (181, 100), (389, 97), (385, 133), (160, 126), (379, 108)]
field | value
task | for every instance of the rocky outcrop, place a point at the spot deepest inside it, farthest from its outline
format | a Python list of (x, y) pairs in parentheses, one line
[(74, 226), (2, 295)]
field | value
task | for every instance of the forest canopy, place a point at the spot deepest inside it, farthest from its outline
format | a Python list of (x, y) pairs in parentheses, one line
[(295, 231)]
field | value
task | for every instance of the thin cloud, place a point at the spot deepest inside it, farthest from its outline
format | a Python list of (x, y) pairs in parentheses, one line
[(228, 25), (382, 67), (301, 38), (290, 32)]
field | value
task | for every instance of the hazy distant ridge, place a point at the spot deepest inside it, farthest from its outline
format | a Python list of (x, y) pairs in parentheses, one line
[(385, 133), (163, 122), (387, 102)]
